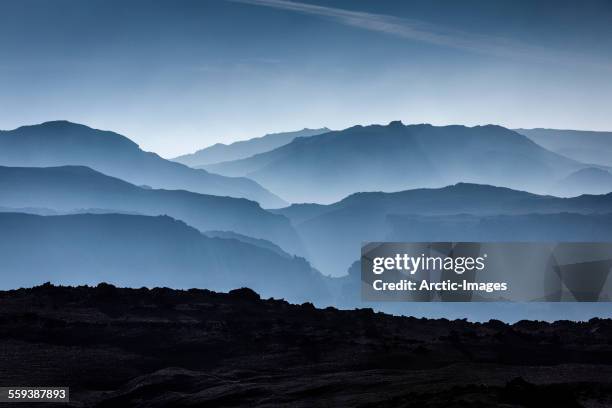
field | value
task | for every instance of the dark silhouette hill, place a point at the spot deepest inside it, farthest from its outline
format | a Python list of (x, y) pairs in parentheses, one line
[(136, 251), (245, 148), (333, 233), (62, 143), (170, 348), (78, 189), (395, 157), (582, 145)]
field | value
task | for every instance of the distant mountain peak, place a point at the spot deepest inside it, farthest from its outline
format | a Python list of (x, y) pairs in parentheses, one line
[(395, 157), (476, 187), (64, 129), (54, 125), (220, 152), (589, 180), (60, 124), (61, 142), (461, 187), (493, 126)]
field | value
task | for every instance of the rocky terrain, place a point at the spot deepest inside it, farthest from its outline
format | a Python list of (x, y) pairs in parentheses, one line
[(168, 348)]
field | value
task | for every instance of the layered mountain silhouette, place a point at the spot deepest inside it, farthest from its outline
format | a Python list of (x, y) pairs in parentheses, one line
[(561, 227), (64, 143), (78, 189), (590, 180), (258, 242), (582, 145), (138, 251), (332, 165), (245, 148), (333, 234)]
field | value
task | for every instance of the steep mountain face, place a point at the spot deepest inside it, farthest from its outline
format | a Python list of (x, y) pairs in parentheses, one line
[(333, 233), (584, 146), (330, 166), (136, 251), (63, 143), (590, 180), (245, 148), (76, 188)]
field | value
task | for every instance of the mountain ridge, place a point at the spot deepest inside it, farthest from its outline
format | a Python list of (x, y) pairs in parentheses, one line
[(333, 233), (590, 180), (139, 250), (327, 167), (69, 188), (60, 143), (587, 146), (220, 152)]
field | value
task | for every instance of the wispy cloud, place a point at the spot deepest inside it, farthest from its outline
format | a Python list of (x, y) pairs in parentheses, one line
[(420, 31)]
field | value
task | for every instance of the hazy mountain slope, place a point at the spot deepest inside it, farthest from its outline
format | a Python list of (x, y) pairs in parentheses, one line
[(258, 242), (585, 146), (330, 166), (333, 234), (590, 180), (71, 188), (143, 251), (245, 148), (564, 227), (299, 213), (458, 198), (63, 143)]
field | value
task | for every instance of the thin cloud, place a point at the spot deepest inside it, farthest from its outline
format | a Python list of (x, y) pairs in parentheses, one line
[(415, 30)]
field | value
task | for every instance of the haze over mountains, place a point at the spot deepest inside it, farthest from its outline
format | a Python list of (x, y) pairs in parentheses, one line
[(589, 180), (582, 145), (309, 168), (333, 234), (328, 167), (245, 148), (62, 143), (136, 251), (77, 188)]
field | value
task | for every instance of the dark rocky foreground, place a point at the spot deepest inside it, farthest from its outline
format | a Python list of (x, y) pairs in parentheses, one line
[(161, 347)]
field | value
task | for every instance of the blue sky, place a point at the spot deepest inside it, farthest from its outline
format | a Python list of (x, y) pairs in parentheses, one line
[(179, 75)]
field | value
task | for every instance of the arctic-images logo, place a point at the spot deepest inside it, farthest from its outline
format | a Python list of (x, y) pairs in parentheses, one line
[(411, 264)]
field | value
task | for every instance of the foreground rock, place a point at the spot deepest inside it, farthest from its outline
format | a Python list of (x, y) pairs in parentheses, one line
[(161, 348)]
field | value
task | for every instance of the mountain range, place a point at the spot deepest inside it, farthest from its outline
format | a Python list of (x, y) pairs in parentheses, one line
[(582, 145), (589, 180), (311, 168), (136, 251), (68, 189), (327, 167), (245, 148), (333, 234), (62, 143)]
